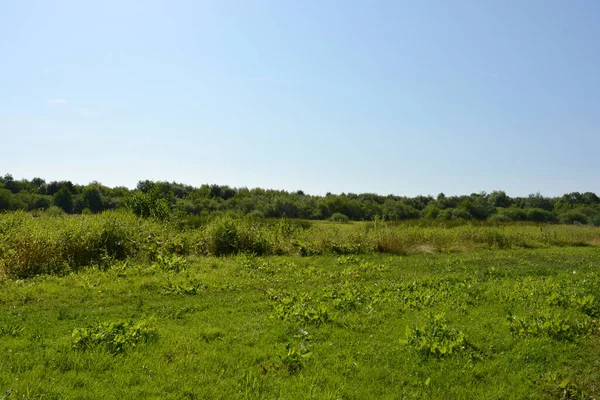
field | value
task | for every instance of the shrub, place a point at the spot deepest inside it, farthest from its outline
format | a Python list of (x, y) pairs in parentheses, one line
[(594, 221), (431, 211), (7, 200), (455, 213), (92, 198), (148, 205), (224, 235), (340, 218), (499, 218), (572, 217), (513, 213), (64, 199), (37, 246), (55, 211), (42, 203), (539, 215)]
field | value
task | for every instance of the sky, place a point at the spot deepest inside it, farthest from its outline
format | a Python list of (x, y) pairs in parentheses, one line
[(390, 97)]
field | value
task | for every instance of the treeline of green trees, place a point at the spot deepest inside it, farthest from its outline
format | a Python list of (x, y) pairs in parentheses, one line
[(161, 199)]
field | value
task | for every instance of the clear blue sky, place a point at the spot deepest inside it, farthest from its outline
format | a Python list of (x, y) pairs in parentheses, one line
[(403, 97)]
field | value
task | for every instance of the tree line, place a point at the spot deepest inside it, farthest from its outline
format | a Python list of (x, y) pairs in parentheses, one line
[(162, 199)]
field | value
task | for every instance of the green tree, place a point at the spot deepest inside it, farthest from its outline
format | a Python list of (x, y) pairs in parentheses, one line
[(6, 200), (92, 198), (498, 198), (148, 205), (64, 199)]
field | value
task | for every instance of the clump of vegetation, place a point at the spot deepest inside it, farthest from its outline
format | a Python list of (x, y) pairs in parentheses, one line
[(187, 285), (31, 245), (115, 337), (339, 217), (551, 324), (169, 200), (226, 235), (436, 338), (299, 307), (11, 329), (297, 352)]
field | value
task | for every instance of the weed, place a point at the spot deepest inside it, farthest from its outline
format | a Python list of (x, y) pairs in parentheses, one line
[(189, 285), (115, 337), (550, 324), (13, 330), (436, 339), (299, 307), (170, 263), (297, 352)]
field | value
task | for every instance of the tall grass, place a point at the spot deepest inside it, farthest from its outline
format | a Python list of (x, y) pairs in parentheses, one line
[(56, 244)]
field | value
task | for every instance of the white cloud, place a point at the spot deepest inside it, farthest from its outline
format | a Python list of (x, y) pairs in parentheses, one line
[(57, 101)]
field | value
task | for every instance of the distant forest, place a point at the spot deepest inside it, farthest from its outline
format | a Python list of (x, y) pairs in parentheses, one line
[(163, 199)]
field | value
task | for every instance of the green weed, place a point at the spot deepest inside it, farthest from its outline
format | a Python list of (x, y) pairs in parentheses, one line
[(115, 337), (436, 338)]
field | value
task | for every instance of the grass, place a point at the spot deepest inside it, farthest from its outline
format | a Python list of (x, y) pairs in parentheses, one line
[(30, 246), (480, 323)]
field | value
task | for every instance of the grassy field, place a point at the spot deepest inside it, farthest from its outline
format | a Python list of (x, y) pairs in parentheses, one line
[(41, 245), (476, 320)]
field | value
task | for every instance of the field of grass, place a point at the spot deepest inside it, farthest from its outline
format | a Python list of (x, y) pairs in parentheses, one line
[(491, 312), (41, 245)]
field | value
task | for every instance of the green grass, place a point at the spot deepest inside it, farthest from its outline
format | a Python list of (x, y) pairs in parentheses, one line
[(41, 245), (482, 323)]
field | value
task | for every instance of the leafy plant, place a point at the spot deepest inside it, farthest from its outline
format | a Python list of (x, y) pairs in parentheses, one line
[(296, 352), (550, 324), (171, 263), (189, 285), (436, 338), (299, 307), (115, 337)]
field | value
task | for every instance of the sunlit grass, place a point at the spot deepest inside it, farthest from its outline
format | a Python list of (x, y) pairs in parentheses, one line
[(323, 327)]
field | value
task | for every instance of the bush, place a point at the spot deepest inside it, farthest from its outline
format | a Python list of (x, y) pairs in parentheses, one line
[(594, 221), (431, 211), (41, 245), (513, 213), (225, 235), (55, 211), (148, 205), (64, 199), (573, 217), (8, 201), (499, 218), (539, 215), (340, 218), (455, 213)]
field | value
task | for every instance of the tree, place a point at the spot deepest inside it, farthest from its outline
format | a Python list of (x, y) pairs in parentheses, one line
[(64, 199), (536, 200), (9, 183), (92, 198), (499, 199), (6, 200), (148, 205), (38, 182), (53, 187)]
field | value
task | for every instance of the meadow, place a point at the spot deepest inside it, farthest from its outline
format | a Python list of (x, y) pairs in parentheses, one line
[(115, 306)]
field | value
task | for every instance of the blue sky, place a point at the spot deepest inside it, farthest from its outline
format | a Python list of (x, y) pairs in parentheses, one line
[(403, 97)]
